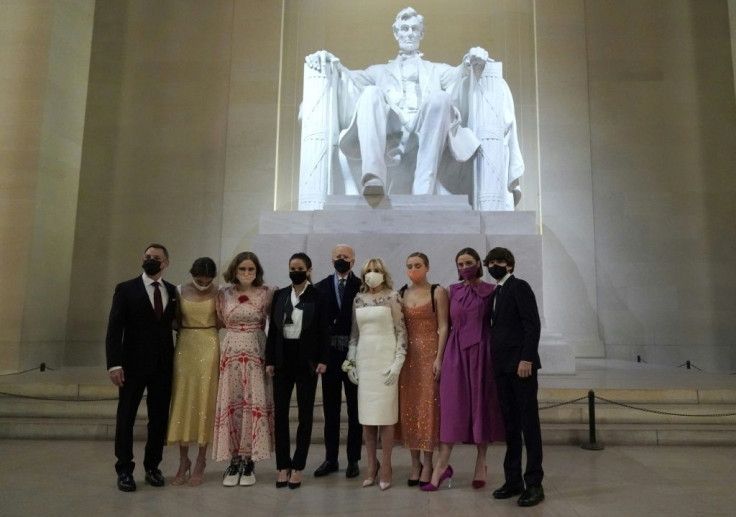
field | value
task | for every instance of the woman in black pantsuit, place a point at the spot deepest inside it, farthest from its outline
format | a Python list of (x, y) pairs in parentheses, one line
[(297, 351)]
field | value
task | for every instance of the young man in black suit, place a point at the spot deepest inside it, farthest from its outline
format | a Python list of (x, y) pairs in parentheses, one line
[(339, 290), (515, 330), (140, 351)]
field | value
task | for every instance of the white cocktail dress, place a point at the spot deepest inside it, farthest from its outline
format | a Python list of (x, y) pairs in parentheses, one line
[(380, 336)]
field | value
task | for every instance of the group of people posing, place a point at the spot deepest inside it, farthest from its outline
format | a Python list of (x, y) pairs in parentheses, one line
[(423, 365)]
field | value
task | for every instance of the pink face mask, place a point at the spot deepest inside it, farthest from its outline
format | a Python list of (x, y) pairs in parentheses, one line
[(468, 273)]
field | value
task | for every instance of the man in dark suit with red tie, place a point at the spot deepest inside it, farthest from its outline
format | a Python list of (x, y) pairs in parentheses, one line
[(515, 330), (140, 351), (339, 290)]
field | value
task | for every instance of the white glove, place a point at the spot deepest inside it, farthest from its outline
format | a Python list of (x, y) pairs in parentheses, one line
[(348, 366), (392, 374), (353, 376)]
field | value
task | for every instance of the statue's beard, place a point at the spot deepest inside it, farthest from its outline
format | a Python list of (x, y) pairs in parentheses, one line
[(409, 46)]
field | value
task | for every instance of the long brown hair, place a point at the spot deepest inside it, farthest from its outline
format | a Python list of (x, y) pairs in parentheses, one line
[(231, 273)]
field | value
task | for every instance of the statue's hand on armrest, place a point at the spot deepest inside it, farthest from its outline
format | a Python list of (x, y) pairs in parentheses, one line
[(476, 56), (516, 191), (319, 60)]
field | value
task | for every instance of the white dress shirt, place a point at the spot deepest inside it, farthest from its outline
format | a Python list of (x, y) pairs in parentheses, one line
[(294, 330), (150, 289)]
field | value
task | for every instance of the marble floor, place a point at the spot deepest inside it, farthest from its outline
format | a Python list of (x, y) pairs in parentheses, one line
[(57, 478)]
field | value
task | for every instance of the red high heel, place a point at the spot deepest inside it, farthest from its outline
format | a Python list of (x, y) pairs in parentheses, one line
[(480, 483), (447, 474)]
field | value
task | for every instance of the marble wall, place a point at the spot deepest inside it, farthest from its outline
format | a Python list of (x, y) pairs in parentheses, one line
[(732, 24), (44, 57), (566, 176), (177, 142), (663, 128), (155, 151), (637, 121)]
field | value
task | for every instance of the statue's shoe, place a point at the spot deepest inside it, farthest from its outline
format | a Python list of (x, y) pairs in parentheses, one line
[(373, 187)]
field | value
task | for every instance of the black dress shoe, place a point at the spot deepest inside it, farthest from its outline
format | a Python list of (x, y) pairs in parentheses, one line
[(352, 471), (126, 483), (154, 477), (532, 496), (327, 467), (507, 491)]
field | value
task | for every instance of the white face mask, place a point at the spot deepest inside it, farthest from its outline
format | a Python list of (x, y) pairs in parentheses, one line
[(373, 279), (199, 287)]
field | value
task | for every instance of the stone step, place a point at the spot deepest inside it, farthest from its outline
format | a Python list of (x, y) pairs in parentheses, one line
[(638, 412), (552, 434), (641, 434), (655, 416)]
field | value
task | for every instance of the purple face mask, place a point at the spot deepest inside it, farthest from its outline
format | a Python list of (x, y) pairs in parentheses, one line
[(468, 273)]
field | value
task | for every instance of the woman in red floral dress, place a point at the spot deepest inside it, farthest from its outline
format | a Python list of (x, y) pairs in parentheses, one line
[(244, 425)]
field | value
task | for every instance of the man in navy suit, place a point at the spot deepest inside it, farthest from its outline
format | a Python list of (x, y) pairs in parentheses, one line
[(515, 330), (339, 290), (140, 351)]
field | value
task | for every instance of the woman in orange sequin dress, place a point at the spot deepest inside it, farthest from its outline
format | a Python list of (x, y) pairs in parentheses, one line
[(425, 309)]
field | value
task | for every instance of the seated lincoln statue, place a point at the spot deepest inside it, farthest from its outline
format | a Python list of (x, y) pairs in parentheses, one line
[(452, 127)]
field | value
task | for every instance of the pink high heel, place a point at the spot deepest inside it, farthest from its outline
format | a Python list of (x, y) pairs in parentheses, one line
[(184, 472), (371, 480), (447, 474), (196, 477)]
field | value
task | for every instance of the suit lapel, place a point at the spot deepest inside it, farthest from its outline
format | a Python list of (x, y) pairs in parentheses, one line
[(142, 294), (171, 290), (354, 284), (395, 70), (505, 288), (333, 293), (424, 73), (278, 307), (307, 300)]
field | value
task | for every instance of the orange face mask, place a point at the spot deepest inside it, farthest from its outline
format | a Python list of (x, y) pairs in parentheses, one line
[(417, 275)]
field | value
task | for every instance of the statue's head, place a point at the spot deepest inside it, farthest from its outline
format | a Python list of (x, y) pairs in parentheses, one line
[(409, 29)]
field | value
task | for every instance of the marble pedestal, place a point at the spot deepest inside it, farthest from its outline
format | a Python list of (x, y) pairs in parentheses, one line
[(392, 227)]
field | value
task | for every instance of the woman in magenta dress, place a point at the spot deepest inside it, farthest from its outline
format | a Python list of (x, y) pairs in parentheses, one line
[(469, 409)]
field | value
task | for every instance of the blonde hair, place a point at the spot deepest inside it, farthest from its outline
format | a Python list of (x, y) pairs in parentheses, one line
[(379, 264)]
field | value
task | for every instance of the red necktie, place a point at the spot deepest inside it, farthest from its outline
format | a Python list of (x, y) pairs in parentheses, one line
[(158, 304)]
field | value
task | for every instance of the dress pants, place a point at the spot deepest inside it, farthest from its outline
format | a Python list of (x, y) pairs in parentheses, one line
[(158, 387), (333, 382), (518, 398), (431, 125), (293, 372)]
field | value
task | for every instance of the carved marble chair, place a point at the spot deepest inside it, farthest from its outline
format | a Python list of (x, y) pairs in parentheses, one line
[(490, 178)]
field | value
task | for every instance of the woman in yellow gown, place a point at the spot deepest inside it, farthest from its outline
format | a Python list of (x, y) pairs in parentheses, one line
[(196, 370)]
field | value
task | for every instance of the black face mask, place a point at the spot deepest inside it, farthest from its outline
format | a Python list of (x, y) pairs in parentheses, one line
[(497, 272), (297, 277), (151, 267), (342, 266)]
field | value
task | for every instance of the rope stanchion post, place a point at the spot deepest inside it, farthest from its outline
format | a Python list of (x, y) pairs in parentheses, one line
[(592, 444)]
